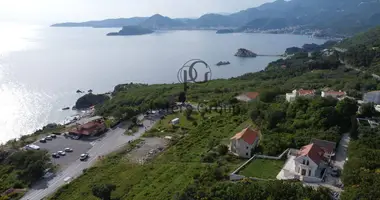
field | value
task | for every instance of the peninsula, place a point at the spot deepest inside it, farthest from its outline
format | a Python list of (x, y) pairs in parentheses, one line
[(131, 30)]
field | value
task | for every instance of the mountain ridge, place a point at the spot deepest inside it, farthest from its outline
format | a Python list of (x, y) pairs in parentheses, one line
[(338, 16)]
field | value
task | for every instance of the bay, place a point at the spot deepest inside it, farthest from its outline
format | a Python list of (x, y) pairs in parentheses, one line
[(41, 67)]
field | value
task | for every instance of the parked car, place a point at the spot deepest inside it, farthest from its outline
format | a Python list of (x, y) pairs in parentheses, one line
[(84, 157), (68, 149), (335, 172), (54, 155), (49, 138), (53, 136), (43, 140), (61, 153)]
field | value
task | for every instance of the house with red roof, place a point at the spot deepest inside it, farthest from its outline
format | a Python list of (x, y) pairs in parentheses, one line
[(89, 129), (290, 97), (308, 163), (309, 159), (248, 96), (243, 143), (334, 94)]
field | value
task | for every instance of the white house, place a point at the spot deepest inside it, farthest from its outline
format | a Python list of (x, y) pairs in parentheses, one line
[(244, 142), (290, 97), (310, 161), (334, 94)]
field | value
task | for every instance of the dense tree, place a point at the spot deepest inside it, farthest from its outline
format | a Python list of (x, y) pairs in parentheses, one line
[(103, 191), (354, 128), (368, 110), (188, 111)]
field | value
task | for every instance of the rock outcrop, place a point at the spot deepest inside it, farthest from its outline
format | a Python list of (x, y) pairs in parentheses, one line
[(89, 100), (245, 53)]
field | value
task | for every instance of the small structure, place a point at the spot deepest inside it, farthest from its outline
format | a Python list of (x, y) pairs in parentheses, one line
[(244, 142), (248, 96), (290, 97), (334, 94), (175, 121), (372, 97)]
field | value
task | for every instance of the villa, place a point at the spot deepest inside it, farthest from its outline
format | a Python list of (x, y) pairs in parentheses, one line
[(244, 142), (308, 163)]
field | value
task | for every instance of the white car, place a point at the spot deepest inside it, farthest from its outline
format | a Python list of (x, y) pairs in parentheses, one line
[(61, 153), (68, 150)]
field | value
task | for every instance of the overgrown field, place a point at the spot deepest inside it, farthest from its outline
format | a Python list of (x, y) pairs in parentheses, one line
[(170, 173)]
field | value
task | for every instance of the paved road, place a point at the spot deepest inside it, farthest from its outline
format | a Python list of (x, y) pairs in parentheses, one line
[(114, 140), (341, 153)]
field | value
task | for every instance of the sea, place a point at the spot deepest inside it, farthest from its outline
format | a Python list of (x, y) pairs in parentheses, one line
[(42, 67)]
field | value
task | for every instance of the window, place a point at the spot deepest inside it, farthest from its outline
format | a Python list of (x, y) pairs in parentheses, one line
[(303, 161), (309, 172), (246, 154), (247, 147), (307, 162)]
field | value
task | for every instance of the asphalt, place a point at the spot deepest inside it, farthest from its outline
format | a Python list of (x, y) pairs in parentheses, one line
[(341, 152), (59, 144), (113, 140)]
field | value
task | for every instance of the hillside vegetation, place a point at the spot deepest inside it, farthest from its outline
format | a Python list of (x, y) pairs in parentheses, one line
[(195, 166), (363, 51)]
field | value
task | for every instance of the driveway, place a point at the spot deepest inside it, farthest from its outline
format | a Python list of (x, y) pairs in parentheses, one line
[(113, 140), (341, 153)]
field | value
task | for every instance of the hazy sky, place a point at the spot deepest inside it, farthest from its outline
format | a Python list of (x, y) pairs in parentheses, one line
[(48, 11)]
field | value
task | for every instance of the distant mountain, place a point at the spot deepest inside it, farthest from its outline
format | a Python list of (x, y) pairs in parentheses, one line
[(268, 23), (161, 22), (213, 20), (131, 30), (108, 23), (332, 16)]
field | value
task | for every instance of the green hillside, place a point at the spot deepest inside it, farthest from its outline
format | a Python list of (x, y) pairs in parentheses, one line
[(370, 38)]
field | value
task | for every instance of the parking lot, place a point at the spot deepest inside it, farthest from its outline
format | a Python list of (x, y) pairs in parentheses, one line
[(59, 144)]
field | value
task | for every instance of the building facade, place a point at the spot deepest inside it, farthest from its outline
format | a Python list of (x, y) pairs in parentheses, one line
[(244, 143)]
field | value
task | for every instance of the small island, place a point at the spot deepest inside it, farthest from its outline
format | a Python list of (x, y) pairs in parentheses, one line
[(245, 53), (222, 63), (225, 31), (131, 30)]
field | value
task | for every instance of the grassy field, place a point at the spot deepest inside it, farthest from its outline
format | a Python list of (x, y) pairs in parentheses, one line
[(168, 174), (263, 168)]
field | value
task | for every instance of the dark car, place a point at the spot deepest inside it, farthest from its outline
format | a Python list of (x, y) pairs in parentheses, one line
[(335, 173), (53, 136), (43, 140), (84, 157), (49, 138), (54, 155)]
